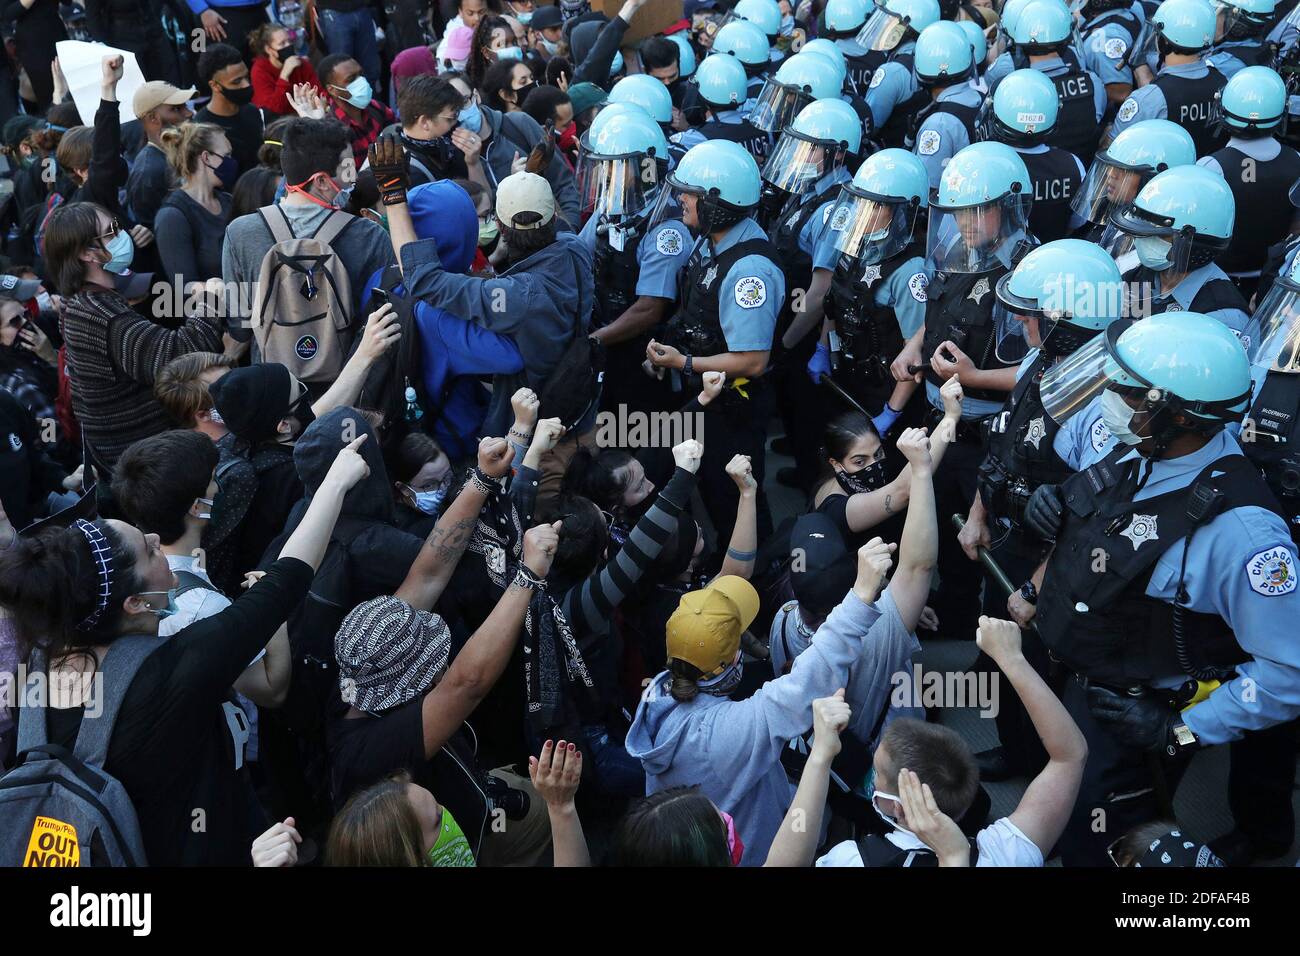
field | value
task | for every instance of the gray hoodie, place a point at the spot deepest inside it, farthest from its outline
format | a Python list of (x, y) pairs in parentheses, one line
[(732, 749)]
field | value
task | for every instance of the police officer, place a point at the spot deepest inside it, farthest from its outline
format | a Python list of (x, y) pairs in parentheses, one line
[(1179, 224), (979, 46), (1022, 113), (1060, 296), (946, 125), (671, 61), (1257, 168), (1184, 88), (808, 167), (766, 15), (878, 281), (1121, 170), (843, 20), (1172, 571), (1241, 43), (978, 226), (1110, 30), (722, 82), (730, 294), (650, 95), (894, 96), (637, 249), (1040, 39), (748, 44), (800, 80)]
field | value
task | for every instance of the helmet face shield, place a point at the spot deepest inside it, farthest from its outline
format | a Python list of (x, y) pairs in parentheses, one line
[(797, 163), (777, 106), (1108, 185), (967, 239), (869, 228), (1277, 345), (617, 186), (1072, 383), (882, 32), (1158, 245)]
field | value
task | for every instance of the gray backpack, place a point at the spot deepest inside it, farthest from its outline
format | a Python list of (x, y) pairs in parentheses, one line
[(59, 807)]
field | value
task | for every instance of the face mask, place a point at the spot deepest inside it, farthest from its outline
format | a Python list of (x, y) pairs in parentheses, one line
[(471, 117), (509, 53), (551, 48), (525, 18), (240, 97), (428, 501), (487, 231), (284, 53), (734, 844), (872, 793), (1118, 416), (121, 253), (208, 516), (867, 479), (163, 612), (1153, 252), (360, 93), (521, 94), (787, 26), (451, 848), (227, 171), (726, 682), (43, 301)]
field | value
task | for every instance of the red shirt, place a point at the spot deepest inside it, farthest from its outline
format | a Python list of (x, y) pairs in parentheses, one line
[(374, 120), (272, 93)]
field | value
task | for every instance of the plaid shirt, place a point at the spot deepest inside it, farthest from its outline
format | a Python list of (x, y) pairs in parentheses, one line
[(376, 117)]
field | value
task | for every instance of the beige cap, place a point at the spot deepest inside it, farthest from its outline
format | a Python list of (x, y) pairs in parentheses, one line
[(522, 193), (155, 93)]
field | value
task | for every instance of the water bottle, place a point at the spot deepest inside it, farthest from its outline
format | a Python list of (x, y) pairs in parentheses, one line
[(413, 410)]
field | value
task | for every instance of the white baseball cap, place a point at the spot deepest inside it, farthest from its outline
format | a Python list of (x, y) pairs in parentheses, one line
[(523, 193)]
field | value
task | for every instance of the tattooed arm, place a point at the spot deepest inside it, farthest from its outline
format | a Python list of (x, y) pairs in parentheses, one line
[(433, 567)]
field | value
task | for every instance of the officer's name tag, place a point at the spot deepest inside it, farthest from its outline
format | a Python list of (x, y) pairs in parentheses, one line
[(1272, 571)]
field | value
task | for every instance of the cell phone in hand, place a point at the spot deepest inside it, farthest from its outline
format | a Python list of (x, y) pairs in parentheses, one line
[(380, 297)]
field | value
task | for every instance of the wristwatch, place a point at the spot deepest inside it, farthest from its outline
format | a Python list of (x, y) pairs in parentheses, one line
[(688, 366), (1029, 593)]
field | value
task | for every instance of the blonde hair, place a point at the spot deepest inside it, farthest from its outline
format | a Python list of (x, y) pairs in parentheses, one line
[(184, 145), (75, 148), (377, 827)]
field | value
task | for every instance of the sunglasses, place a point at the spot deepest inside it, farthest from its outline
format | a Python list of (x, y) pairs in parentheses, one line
[(114, 227)]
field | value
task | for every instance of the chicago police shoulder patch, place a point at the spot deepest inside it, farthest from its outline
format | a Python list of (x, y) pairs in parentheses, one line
[(840, 219), (1115, 48), (877, 78), (1128, 110), (927, 144), (1272, 572), (669, 241), (1099, 434), (751, 292), (917, 285)]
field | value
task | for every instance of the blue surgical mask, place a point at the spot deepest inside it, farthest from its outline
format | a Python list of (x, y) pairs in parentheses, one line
[(787, 26), (343, 196), (525, 18), (121, 253), (616, 67), (1118, 416), (471, 117), (1153, 252), (163, 612), (510, 53), (360, 93), (551, 48), (428, 501)]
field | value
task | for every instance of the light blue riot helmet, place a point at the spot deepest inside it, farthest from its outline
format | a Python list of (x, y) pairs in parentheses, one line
[(764, 14), (828, 49), (1184, 26), (1243, 19), (725, 180), (746, 42), (1022, 111), (844, 18), (815, 143), (1158, 376), (1042, 26), (979, 43), (623, 160), (800, 80), (980, 211), (943, 56), (722, 82), (875, 216), (1010, 13), (1057, 298), (686, 56), (645, 91), (1120, 170), (1252, 104), (896, 20), (1180, 220)]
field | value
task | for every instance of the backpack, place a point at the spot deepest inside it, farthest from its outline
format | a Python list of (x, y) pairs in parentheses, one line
[(385, 385), (302, 317), (61, 808), (573, 387)]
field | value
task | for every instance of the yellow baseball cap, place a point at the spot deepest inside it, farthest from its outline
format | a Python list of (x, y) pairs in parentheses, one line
[(705, 629)]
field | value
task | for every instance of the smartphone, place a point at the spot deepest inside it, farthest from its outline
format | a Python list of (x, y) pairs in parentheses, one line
[(381, 297)]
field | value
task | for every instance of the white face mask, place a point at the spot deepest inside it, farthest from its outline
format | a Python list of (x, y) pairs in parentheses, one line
[(1117, 414), (885, 816), (1153, 252)]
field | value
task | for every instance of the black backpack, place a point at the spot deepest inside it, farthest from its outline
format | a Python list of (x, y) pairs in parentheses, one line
[(384, 388), (573, 387)]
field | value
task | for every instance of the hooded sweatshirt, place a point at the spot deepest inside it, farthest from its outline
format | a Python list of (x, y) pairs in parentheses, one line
[(732, 749), (453, 352), (541, 303)]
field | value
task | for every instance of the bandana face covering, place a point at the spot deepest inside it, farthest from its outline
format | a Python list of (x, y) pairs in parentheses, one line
[(866, 479), (451, 848), (724, 683), (735, 846)]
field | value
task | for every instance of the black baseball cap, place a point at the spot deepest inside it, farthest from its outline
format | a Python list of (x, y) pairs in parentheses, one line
[(821, 568), (546, 17)]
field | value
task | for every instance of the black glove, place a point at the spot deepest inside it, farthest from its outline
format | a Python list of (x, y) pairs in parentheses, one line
[(1142, 723), (1043, 513), (388, 162)]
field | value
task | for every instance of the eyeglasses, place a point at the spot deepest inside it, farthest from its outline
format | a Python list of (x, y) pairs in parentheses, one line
[(114, 227)]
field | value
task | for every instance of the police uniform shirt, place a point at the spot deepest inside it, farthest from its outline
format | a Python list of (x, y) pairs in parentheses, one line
[(1242, 567), (661, 254), (750, 295), (943, 135), (1002, 67), (904, 291), (818, 225), (891, 85), (851, 49), (1084, 439), (1104, 48), (1148, 102), (1000, 844), (680, 143), (1185, 292), (752, 90), (1262, 150), (1223, 56), (1062, 443)]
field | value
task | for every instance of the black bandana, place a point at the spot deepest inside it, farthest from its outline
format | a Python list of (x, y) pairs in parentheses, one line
[(868, 479)]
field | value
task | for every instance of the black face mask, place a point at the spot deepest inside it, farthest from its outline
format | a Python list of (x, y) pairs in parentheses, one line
[(240, 97), (301, 412), (521, 94), (867, 479), (284, 52)]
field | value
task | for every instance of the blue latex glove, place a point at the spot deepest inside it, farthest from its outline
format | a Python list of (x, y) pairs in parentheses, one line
[(885, 420), (820, 363)]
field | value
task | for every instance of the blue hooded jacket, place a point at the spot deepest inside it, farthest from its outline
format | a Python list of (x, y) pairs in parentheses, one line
[(453, 352), (732, 749)]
